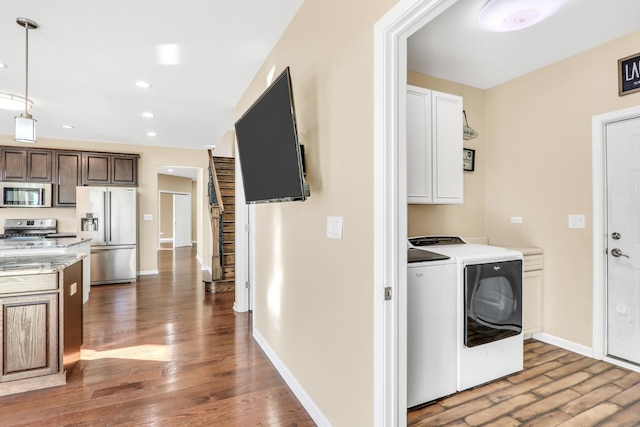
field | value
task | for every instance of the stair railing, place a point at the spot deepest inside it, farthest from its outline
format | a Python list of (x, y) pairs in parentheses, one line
[(216, 215)]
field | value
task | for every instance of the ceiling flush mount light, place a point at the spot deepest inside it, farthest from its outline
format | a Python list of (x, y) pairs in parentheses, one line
[(9, 101), (25, 124), (143, 84), (513, 15)]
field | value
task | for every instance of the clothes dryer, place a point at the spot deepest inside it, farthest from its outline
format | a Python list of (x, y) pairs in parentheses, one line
[(489, 338)]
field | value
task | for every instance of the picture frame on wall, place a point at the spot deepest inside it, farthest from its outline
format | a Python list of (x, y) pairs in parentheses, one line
[(468, 159)]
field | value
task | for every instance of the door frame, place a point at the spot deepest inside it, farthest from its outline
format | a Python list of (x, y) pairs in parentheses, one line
[(390, 204), (598, 131), (160, 192)]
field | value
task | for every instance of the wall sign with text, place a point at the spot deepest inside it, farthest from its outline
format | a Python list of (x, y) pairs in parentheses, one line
[(629, 74)]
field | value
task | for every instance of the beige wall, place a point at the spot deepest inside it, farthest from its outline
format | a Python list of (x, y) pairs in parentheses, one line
[(150, 159), (539, 167), (469, 218), (314, 296), (166, 215)]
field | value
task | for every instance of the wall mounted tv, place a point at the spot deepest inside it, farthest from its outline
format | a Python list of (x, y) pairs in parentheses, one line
[(271, 158)]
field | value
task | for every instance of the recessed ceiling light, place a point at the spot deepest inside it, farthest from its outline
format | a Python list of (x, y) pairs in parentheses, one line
[(9, 101), (151, 134), (513, 15), (148, 114), (66, 126), (3, 65), (143, 84)]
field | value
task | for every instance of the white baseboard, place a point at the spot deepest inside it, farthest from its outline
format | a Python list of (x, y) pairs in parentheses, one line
[(166, 240), (565, 344), (294, 385), (147, 272)]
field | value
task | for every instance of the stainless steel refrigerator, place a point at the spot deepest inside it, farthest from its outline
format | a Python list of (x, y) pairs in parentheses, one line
[(108, 215)]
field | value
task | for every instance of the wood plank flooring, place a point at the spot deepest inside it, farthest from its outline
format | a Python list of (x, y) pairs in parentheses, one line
[(162, 352), (556, 388)]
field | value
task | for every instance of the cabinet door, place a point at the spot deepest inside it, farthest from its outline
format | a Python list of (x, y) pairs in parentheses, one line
[(124, 170), (447, 148), (29, 332), (419, 146), (532, 302), (39, 165), (14, 164), (67, 178), (96, 169)]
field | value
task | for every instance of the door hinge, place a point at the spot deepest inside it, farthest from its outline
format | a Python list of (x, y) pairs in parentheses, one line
[(247, 284), (387, 293)]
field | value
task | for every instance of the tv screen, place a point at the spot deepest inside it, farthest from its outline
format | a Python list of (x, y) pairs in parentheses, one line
[(270, 155)]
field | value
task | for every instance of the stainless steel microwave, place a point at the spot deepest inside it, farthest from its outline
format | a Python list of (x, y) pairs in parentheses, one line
[(25, 195)]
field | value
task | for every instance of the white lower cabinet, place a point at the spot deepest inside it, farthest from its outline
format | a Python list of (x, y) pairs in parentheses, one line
[(532, 293), (434, 147)]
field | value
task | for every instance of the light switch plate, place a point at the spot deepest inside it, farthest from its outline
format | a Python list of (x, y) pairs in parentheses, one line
[(334, 227), (148, 217), (576, 221), (516, 220)]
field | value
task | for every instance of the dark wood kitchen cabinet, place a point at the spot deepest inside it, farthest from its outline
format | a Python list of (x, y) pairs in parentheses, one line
[(67, 178), (21, 164), (109, 169), (29, 334)]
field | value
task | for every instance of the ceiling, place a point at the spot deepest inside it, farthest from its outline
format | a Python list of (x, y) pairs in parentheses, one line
[(86, 56), (452, 47)]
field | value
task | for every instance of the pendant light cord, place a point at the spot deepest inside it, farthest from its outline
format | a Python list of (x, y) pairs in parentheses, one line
[(26, 68)]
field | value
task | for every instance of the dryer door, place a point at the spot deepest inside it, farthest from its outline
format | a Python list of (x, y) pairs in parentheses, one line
[(493, 302)]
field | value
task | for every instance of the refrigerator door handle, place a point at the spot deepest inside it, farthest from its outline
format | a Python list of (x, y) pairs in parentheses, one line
[(110, 235), (106, 219)]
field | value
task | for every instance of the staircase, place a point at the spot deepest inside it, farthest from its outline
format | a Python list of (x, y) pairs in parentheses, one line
[(222, 215)]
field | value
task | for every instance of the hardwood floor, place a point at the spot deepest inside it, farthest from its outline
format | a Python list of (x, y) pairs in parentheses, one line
[(162, 352), (556, 388)]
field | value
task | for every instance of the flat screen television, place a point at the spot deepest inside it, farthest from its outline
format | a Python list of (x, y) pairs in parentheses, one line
[(271, 158)]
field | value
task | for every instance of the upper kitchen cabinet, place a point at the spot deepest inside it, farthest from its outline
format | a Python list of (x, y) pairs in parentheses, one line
[(21, 164), (109, 169), (67, 177), (434, 147)]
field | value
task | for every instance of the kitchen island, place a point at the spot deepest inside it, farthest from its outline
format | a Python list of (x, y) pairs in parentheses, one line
[(40, 320), (35, 248)]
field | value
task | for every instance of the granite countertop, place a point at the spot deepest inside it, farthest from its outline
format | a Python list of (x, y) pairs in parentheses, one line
[(41, 264), (62, 242)]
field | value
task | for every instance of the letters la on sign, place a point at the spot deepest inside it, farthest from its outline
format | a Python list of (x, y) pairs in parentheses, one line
[(629, 74)]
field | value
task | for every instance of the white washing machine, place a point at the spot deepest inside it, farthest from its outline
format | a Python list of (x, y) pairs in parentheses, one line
[(489, 340), (432, 370)]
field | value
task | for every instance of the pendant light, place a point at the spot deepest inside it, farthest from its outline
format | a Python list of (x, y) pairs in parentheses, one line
[(25, 124)]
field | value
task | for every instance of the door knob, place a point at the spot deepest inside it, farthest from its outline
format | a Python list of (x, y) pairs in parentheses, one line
[(615, 236), (618, 253)]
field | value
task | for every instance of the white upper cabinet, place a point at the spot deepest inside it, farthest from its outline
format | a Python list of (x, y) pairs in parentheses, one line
[(434, 147)]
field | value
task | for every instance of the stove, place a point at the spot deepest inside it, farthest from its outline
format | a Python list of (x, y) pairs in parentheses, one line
[(29, 229)]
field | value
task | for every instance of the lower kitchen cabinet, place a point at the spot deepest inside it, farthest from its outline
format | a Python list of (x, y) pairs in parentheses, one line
[(40, 321), (29, 331)]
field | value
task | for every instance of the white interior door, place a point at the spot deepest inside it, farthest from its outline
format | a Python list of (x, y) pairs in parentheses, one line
[(623, 239), (181, 220)]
